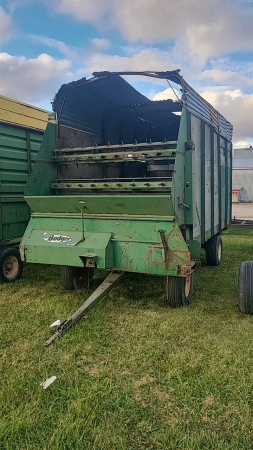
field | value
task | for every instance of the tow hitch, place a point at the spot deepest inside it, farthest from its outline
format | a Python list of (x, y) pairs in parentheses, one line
[(110, 281)]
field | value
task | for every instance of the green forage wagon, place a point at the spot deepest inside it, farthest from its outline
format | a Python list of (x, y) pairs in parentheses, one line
[(130, 185)]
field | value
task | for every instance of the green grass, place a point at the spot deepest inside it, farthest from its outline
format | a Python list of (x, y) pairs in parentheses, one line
[(135, 374)]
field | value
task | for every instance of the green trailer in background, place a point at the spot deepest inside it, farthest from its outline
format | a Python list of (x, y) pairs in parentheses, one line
[(130, 185), (21, 131)]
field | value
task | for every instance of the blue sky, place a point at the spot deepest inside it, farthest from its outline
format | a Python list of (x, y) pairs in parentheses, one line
[(44, 44)]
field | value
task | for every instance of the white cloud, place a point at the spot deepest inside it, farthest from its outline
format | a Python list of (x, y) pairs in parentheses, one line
[(70, 52), (32, 80), (7, 26), (94, 11), (36, 80), (168, 93), (147, 59), (228, 77), (242, 144), (52, 43), (236, 107), (205, 29), (14, 4), (100, 43), (233, 103)]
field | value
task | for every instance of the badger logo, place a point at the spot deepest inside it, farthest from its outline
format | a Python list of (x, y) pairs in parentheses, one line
[(56, 238)]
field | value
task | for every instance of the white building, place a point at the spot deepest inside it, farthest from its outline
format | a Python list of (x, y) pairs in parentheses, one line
[(242, 181)]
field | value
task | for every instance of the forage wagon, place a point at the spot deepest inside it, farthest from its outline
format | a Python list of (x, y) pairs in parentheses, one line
[(21, 130), (130, 185)]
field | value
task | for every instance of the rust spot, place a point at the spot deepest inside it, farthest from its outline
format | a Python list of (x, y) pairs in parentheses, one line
[(179, 256)]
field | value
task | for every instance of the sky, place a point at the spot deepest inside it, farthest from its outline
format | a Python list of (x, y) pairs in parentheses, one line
[(46, 43)]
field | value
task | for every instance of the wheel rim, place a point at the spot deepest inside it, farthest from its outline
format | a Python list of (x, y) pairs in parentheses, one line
[(219, 252), (187, 286), (11, 267)]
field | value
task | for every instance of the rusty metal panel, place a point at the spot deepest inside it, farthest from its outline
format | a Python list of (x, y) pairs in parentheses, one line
[(75, 138)]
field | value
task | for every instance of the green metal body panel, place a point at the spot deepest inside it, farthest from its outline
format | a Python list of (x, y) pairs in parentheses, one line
[(158, 205), (18, 151), (90, 205), (133, 244)]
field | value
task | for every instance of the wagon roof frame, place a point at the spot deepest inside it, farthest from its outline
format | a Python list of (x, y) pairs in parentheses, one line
[(117, 86)]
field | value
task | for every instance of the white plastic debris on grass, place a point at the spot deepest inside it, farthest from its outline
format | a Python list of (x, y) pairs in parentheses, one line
[(55, 324), (47, 383)]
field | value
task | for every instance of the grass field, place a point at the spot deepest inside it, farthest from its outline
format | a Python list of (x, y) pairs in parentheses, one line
[(134, 374)]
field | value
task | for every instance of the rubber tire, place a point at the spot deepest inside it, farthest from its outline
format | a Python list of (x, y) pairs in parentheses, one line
[(67, 278), (245, 287), (71, 277), (6, 252), (176, 297), (213, 248)]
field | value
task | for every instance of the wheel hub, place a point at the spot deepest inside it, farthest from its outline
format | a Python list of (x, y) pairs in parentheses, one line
[(10, 267)]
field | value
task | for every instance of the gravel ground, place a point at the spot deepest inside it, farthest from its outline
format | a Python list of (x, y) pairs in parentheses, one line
[(242, 210)]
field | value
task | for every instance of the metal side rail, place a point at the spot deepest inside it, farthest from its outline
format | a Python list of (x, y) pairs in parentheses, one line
[(111, 280), (241, 223)]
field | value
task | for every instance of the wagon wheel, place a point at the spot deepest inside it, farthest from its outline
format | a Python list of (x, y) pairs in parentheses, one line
[(11, 266), (74, 278), (213, 249), (245, 287), (179, 291)]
